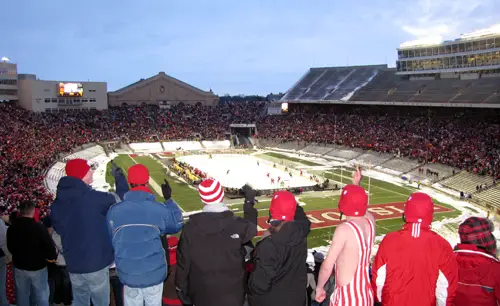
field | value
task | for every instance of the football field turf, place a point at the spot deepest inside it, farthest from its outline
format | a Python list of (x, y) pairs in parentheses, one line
[(385, 199)]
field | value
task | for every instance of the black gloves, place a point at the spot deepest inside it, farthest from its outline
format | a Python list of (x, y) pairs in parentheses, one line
[(166, 190), (249, 194), (115, 170)]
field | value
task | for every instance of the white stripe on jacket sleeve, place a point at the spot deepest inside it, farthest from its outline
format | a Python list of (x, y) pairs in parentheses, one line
[(441, 289)]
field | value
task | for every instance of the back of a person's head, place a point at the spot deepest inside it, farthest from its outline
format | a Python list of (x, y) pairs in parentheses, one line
[(26, 208)]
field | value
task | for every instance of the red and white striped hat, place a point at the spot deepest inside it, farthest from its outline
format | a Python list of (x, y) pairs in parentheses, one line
[(211, 191)]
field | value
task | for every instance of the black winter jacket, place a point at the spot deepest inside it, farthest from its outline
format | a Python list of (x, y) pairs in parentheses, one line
[(30, 244), (211, 258), (280, 272)]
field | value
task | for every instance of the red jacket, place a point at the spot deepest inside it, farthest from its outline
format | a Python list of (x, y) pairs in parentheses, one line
[(416, 268), (478, 277)]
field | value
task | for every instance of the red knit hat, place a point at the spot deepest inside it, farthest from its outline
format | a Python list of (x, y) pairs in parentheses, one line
[(353, 201), (77, 168), (211, 191), (138, 175), (283, 206), (419, 208)]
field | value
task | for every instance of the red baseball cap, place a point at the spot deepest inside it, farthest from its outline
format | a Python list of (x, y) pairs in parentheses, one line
[(283, 206), (77, 168), (419, 208), (138, 175), (353, 201)]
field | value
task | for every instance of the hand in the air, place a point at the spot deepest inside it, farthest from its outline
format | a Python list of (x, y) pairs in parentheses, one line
[(357, 176), (320, 295), (166, 190), (115, 170)]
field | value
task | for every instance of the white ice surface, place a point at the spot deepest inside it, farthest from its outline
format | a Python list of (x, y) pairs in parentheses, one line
[(243, 169)]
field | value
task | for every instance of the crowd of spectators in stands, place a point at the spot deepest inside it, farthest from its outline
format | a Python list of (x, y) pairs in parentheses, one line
[(30, 143), (460, 138)]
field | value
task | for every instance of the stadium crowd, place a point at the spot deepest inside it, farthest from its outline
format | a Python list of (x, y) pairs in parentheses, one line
[(462, 138), (30, 143), (69, 257)]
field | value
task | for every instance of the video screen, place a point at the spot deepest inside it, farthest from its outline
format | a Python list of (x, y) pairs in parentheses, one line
[(70, 90), (284, 107)]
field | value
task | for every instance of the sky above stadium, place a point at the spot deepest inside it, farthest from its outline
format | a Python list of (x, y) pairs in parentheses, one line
[(235, 47)]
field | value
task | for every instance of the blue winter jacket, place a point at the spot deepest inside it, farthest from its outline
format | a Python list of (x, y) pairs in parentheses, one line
[(79, 217), (136, 225)]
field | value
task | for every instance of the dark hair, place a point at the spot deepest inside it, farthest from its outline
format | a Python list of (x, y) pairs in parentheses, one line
[(26, 207)]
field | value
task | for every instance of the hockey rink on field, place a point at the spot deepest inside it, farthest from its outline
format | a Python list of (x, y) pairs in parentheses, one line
[(244, 169)]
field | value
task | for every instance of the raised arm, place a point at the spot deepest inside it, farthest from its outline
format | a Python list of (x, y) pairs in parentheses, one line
[(172, 214), (121, 185)]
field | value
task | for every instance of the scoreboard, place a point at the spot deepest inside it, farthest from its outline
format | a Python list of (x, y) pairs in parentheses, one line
[(70, 90)]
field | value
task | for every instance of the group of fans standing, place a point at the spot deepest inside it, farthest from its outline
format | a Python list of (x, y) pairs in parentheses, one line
[(214, 262)]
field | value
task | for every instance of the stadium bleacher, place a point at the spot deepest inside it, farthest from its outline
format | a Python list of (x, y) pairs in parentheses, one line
[(372, 158), (490, 196), (466, 182), (401, 165), (316, 149), (332, 83), (379, 83)]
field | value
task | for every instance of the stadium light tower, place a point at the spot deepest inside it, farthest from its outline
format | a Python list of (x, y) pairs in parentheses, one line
[(5, 59)]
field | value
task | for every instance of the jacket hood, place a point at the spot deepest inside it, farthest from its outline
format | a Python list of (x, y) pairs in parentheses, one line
[(70, 188), (291, 234), (211, 222)]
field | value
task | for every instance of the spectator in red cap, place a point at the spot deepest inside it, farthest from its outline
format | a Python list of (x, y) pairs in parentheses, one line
[(350, 250), (415, 266), (279, 276), (79, 217), (210, 254), (478, 266), (136, 226)]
